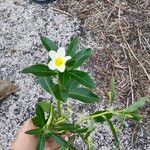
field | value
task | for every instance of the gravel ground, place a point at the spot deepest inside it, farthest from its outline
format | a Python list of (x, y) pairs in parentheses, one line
[(20, 26), (21, 22)]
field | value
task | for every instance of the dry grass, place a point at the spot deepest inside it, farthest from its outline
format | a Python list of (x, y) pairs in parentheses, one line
[(121, 33)]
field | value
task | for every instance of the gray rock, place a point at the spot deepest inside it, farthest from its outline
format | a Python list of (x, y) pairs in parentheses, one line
[(6, 88)]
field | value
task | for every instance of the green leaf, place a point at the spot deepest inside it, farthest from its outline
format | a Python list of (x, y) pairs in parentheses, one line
[(112, 93), (46, 84), (83, 78), (133, 116), (81, 57), (101, 118), (90, 130), (60, 141), (48, 44), (114, 133), (84, 95), (39, 120), (64, 79), (40, 114), (121, 116), (71, 84), (39, 70), (70, 63), (34, 131), (72, 46), (61, 93), (81, 130), (62, 148), (90, 143), (46, 106), (137, 105), (68, 127), (40, 142)]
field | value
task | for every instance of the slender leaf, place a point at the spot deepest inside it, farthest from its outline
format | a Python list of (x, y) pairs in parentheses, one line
[(137, 105), (62, 148), (39, 70), (72, 46), (83, 95), (39, 120), (34, 131), (82, 77), (40, 142), (71, 84), (90, 130), (48, 44), (64, 79), (121, 117), (133, 116), (114, 133), (70, 62), (40, 114), (47, 84), (81, 130), (68, 127), (100, 118), (81, 57), (60, 141), (61, 93), (90, 143), (46, 106)]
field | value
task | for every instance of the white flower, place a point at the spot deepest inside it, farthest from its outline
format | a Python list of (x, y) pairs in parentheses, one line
[(58, 59)]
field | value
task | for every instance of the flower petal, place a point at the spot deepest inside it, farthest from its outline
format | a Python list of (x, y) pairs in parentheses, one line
[(61, 68), (67, 58), (61, 52), (51, 65), (53, 54)]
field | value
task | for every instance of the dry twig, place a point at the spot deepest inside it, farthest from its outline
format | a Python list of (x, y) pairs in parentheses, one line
[(130, 49)]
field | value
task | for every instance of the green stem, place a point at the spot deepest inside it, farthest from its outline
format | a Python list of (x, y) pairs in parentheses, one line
[(59, 102), (50, 117), (59, 121), (91, 117), (59, 107)]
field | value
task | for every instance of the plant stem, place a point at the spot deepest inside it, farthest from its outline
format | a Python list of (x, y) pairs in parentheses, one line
[(91, 117), (50, 117), (59, 107)]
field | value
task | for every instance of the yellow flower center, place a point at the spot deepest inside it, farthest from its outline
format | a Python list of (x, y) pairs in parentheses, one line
[(59, 61)]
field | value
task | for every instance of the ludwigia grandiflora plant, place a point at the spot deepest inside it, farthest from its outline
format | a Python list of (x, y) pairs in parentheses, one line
[(70, 82)]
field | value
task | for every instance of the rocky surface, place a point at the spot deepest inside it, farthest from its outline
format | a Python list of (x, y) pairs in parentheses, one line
[(21, 22), (20, 25)]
